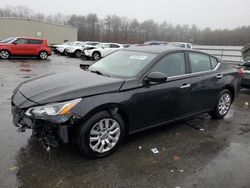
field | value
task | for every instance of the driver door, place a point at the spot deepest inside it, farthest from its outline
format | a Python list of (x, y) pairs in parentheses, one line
[(163, 102), (20, 47)]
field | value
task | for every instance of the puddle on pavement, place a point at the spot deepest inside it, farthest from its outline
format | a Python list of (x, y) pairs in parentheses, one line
[(229, 169)]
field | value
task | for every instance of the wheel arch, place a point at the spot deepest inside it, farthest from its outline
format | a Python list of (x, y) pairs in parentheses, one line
[(97, 51), (231, 89), (77, 50), (112, 108), (4, 49), (42, 50)]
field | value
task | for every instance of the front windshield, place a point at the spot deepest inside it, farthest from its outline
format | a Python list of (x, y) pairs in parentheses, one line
[(123, 63), (8, 40)]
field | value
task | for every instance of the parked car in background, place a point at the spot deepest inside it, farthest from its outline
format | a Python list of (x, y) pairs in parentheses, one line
[(245, 52), (180, 45), (77, 49), (245, 69), (62, 48), (130, 90), (23, 46), (102, 50), (55, 46), (155, 42)]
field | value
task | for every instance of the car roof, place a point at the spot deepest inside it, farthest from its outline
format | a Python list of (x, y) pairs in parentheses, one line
[(32, 38), (179, 43), (160, 49), (152, 49)]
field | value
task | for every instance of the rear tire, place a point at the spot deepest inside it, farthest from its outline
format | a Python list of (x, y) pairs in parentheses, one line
[(78, 53), (101, 135), (223, 105), (96, 56), (4, 54), (43, 55)]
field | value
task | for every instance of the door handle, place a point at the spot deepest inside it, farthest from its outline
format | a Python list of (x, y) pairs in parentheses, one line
[(219, 76), (185, 86)]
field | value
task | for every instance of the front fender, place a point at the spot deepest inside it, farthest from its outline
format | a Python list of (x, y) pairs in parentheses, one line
[(87, 105)]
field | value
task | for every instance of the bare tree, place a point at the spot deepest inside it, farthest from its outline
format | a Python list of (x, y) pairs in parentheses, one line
[(120, 29)]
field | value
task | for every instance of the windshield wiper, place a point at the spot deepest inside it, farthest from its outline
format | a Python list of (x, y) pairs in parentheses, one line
[(98, 72)]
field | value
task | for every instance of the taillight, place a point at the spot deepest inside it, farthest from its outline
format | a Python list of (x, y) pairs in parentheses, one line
[(241, 71)]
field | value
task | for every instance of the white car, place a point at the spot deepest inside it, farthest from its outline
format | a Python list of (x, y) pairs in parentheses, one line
[(62, 48), (77, 49), (102, 50), (180, 45)]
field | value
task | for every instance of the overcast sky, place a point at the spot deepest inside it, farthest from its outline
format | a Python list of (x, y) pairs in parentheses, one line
[(204, 13)]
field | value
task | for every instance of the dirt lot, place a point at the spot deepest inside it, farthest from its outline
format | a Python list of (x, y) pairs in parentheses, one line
[(200, 152)]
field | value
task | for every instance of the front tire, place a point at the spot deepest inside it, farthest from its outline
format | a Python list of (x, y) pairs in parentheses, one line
[(223, 105), (101, 135), (43, 55), (4, 54)]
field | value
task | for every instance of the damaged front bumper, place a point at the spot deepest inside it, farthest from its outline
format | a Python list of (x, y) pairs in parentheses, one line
[(47, 130)]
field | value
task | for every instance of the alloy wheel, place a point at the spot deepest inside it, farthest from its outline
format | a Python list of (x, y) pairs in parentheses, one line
[(4, 54), (96, 56), (104, 135), (224, 104), (43, 55)]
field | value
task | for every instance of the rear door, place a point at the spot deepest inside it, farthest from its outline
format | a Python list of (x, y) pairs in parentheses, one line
[(34, 45), (205, 81), (20, 47)]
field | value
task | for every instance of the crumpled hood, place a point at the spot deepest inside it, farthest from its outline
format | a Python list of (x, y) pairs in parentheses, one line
[(67, 85)]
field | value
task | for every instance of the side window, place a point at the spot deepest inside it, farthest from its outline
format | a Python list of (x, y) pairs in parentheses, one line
[(214, 62), (31, 41), (114, 46), (189, 46), (21, 41), (106, 46), (183, 46), (171, 65), (199, 62)]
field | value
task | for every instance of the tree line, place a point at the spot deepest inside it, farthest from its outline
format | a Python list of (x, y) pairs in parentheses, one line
[(114, 28)]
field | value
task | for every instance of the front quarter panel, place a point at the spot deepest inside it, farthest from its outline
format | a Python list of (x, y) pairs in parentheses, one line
[(123, 99)]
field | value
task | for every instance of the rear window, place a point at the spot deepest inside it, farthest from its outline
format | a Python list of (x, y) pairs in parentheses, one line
[(32, 41), (214, 62), (114, 46), (199, 62)]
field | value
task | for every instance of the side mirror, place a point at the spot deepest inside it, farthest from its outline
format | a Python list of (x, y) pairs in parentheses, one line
[(157, 77)]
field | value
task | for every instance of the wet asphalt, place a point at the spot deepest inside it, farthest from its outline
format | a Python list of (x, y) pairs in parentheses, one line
[(200, 152)]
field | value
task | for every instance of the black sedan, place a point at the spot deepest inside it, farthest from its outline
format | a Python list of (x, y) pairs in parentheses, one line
[(131, 90)]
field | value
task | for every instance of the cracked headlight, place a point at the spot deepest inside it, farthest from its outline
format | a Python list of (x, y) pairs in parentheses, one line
[(56, 112)]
